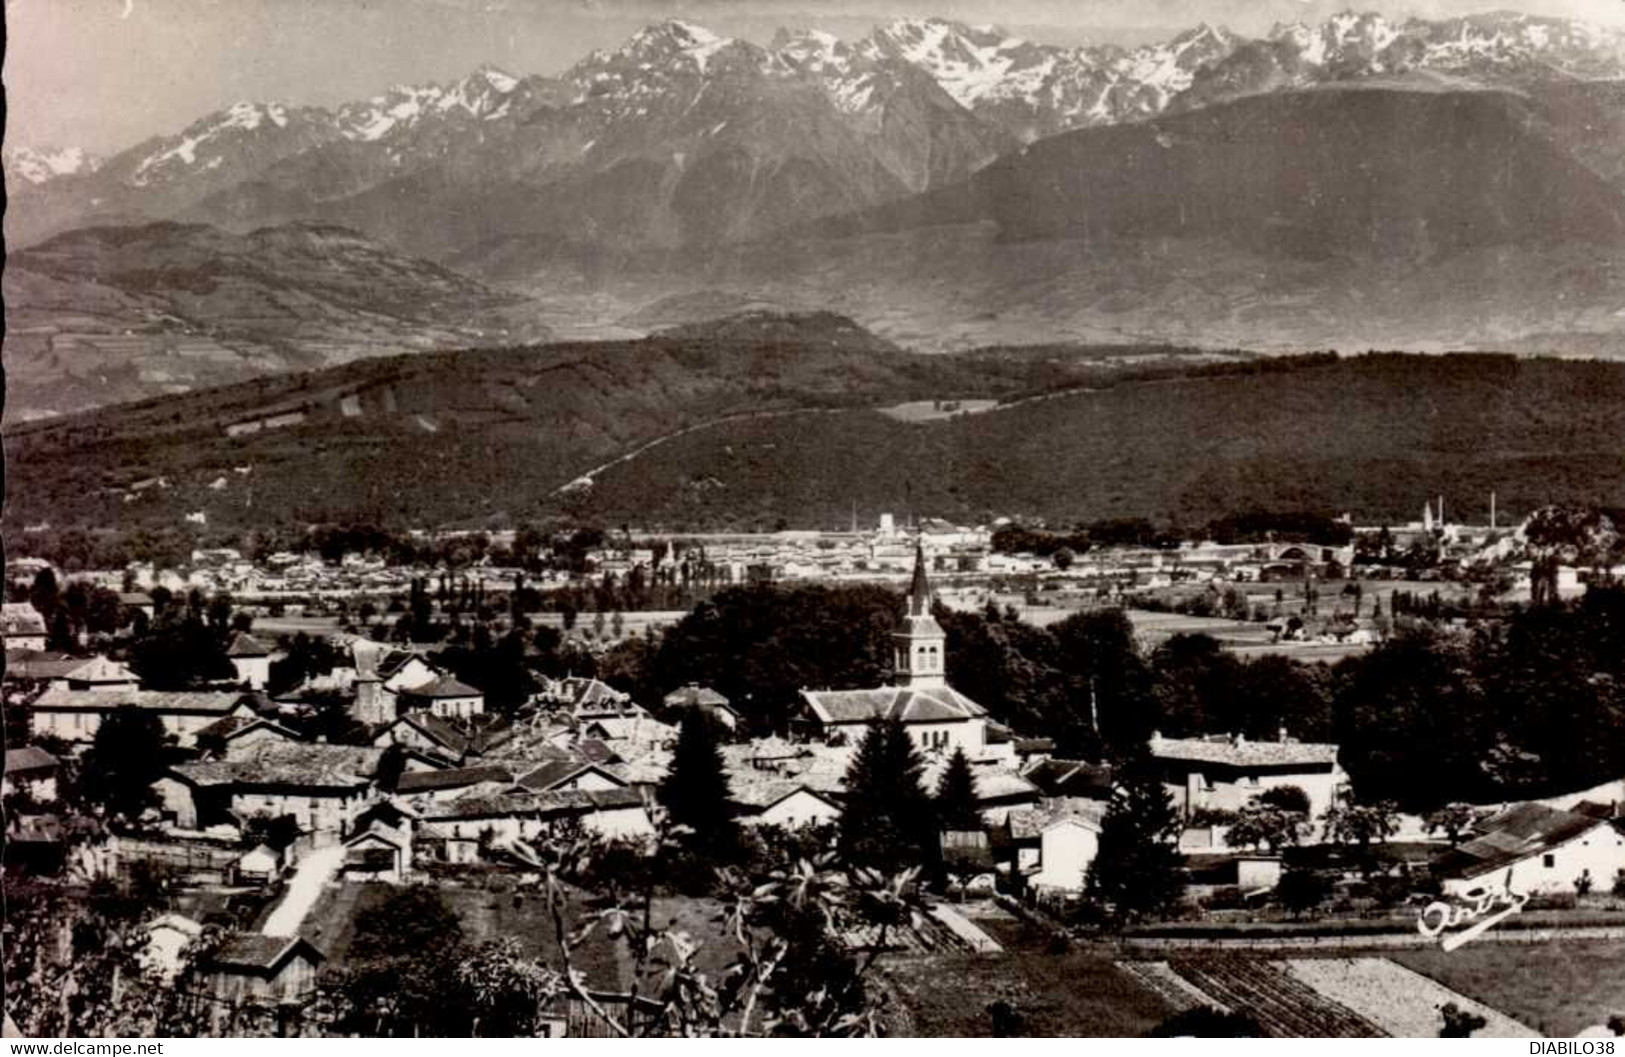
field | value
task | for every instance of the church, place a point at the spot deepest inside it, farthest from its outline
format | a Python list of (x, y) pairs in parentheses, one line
[(935, 715)]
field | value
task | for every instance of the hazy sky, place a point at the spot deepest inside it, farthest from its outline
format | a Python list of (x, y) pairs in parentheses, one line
[(104, 74)]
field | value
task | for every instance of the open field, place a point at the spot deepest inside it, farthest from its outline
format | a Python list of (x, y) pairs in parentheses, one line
[(1079, 992), (1395, 998), (271, 627), (1558, 988), (934, 410)]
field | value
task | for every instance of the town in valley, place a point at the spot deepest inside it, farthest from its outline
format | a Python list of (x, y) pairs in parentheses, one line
[(843, 519)]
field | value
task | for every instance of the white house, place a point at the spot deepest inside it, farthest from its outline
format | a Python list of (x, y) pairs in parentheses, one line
[(22, 626), (33, 770), (788, 804), (252, 660), (1055, 842), (1226, 771), (1533, 848), (445, 697), (167, 936), (75, 715), (936, 716)]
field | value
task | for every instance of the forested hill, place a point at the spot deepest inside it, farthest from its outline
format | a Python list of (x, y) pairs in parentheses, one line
[(698, 433)]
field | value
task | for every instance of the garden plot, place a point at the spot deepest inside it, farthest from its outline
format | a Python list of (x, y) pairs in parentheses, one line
[(1402, 1002), (1284, 1006)]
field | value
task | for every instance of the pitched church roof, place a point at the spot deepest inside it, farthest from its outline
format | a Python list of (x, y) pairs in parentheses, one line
[(910, 704)]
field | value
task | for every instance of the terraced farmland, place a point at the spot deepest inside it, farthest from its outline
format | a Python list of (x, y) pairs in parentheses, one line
[(1285, 1007)]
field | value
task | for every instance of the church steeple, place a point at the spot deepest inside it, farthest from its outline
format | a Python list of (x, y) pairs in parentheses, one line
[(921, 646)]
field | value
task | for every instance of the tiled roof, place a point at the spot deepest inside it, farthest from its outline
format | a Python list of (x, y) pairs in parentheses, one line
[(1071, 778), (226, 725), (246, 645), (909, 704), (40, 664), (1512, 836), (251, 950), (1031, 822), (288, 764), (992, 783), (101, 670), (61, 699), (759, 796), (532, 805), (554, 772), (695, 695), (1231, 752), (29, 758), (451, 778), (443, 686)]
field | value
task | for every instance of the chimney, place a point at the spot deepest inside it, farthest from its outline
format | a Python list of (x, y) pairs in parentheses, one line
[(1156, 738), (321, 739), (1238, 739), (1281, 735)]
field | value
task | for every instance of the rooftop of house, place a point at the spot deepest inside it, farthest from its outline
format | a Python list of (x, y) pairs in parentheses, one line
[(1030, 823), (1514, 835), (245, 645), (532, 805), (280, 763), (908, 704), (30, 758), (452, 778), (1071, 778), (691, 695), (443, 687), (40, 664), (761, 795), (554, 772), (101, 670), (1237, 751), (252, 950), (61, 699)]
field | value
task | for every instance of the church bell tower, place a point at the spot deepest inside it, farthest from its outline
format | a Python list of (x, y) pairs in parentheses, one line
[(920, 645)]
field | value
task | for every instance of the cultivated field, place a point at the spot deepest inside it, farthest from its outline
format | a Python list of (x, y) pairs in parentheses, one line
[(1078, 992), (1558, 988), (1400, 1001)]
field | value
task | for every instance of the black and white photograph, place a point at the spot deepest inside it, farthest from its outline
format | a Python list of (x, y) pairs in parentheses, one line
[(813, 518)]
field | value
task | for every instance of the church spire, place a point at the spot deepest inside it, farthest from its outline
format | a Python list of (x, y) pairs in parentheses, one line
[(921, 646), (919, 593)]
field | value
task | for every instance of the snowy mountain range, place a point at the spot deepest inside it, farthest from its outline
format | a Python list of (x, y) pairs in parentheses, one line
[(983, 88)]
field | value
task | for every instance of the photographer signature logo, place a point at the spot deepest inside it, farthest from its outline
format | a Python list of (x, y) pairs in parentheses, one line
[(1482, 911)]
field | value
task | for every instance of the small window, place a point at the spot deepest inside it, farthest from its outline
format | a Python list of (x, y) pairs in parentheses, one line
[(1549, 861)]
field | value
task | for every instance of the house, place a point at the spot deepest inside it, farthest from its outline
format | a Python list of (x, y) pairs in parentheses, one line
[(584, 698), (704, 699), (458, 826), (568, 773), (435, 786), (31, 770), (788, 804), (236, 733), (441, 739), (1054, 842), (252, 660), (1224, 772), (380, 848), (936, 716), (324, 787), (22, 626), (261, 864), (248, 966), (99, 673), (381, 673), (1075, 778), (1533, 848), (43, 666), (137, 602), (75, 715), (445, 697), (168, 936)]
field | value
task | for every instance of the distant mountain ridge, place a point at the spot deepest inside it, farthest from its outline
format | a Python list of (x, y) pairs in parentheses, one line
[(688, 117)]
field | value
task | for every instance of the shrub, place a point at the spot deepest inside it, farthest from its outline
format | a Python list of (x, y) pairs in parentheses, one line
[(1459, 1023), (1619, 883), (1206, 1022), (1287, 798)]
